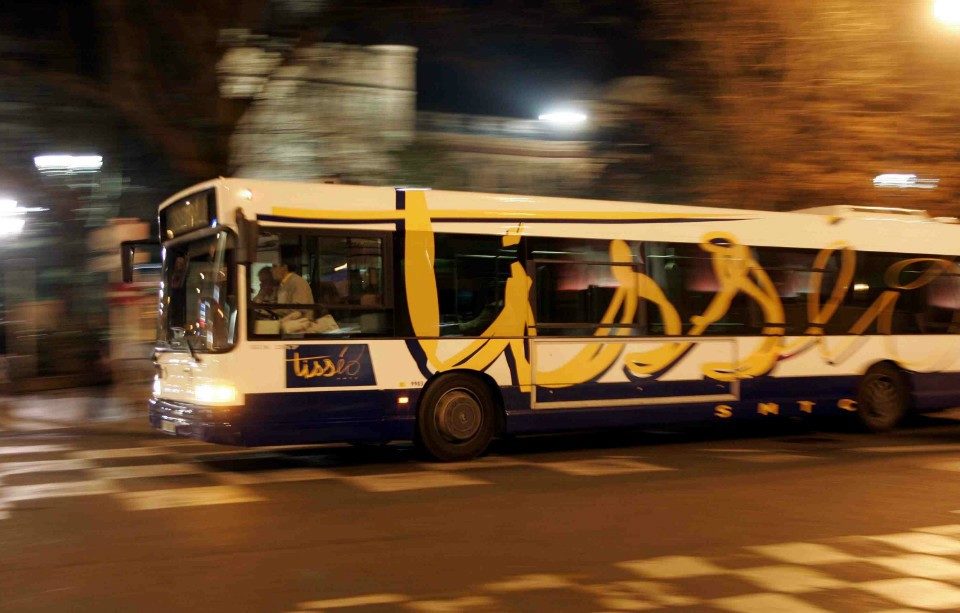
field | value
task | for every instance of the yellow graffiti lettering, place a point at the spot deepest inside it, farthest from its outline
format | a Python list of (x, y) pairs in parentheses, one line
[(723, 411), (806, 406), (847, 404), (768, 408)]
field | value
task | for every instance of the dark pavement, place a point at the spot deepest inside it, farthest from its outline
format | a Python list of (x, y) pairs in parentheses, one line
[(100, 514)]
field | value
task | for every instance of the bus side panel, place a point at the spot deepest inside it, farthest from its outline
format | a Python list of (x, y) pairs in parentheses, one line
[(323, 417), (935, 391)]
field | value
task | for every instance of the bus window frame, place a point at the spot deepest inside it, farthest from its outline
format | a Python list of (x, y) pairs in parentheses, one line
[(235, 266), (388, 306)]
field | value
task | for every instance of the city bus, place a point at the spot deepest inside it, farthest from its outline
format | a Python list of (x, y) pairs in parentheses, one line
[(299, 313)]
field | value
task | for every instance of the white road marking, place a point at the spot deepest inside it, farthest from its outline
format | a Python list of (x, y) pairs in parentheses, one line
[(920, 593), (638, 595), (147, 471), (790, 579), (107, 454), (523, 583), (672, 567), (355, 601), (450, 606), (283, 475), (803, 553), (946, 530), (43, 466), (25, 449), (18, 493), (919, 565), (398, 482), (602, 466), (187, 497), (917, 542), (766, 603)]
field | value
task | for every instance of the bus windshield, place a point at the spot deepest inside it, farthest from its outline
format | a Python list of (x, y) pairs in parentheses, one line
[(198, 304)]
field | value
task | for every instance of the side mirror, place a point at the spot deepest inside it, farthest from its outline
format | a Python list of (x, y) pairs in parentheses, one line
[(128, 250), (248, 232)]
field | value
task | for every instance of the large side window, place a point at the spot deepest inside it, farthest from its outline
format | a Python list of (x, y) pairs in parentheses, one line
[(320, 285), (472, 273), (575, 285), (685, 274)]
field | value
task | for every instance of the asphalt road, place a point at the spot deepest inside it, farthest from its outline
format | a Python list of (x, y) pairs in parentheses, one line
[(781, 519)]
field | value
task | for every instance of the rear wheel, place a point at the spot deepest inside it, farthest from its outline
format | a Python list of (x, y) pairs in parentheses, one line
[(883, 398), (456, 419)]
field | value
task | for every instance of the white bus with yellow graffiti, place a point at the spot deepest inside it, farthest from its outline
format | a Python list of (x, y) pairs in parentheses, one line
[(307, 313)]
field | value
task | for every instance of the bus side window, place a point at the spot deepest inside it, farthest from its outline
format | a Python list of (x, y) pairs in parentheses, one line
[(471, 273)]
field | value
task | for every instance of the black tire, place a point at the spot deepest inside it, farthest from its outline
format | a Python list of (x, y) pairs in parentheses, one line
[(456, 419), (883, 397)]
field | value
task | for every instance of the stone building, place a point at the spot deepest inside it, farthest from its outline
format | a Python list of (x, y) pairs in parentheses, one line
[(336, 111)]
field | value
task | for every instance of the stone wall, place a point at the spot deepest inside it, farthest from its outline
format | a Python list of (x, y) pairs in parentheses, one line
[(327, 110)]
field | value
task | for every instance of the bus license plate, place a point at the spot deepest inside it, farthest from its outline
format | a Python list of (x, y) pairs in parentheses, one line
[(169, 426)]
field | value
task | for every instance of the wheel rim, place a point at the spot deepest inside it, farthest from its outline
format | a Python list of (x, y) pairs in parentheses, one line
[(883, 397), (458, 415)]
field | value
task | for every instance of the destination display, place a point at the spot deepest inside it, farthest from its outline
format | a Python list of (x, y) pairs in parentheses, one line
[(187, 215)]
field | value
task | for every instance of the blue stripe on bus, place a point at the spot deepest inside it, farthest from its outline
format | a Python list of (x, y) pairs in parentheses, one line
[(373, 415)]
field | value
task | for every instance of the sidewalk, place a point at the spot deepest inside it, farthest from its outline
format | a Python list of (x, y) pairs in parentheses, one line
[(118, 407)]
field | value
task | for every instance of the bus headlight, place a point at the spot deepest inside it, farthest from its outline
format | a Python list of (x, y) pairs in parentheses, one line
[(157, 386), (215, 393)]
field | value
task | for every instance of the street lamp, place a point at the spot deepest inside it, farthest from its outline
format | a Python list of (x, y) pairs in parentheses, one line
[(67, 164), (947, 11), (564, 118)]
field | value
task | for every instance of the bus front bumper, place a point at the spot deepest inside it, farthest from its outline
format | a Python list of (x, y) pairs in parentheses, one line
[(209, 424)]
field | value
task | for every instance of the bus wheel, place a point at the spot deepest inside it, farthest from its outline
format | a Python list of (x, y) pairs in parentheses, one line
[(883, 397), (456, 418)]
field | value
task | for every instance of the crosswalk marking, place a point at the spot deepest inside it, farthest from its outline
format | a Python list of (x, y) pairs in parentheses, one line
[(109, 454), (766, 603), (25, 449), (284, 475), (43, 466), (354, 601), (672, 567), (19, 493), (802, 553), (791, 579), (399, 482), (921, 593), (187, 497), (594, 467), (146, 471), (920, 565), (918, 542)]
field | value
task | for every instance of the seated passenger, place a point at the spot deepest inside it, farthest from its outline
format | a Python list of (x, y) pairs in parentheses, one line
[(268, 287)]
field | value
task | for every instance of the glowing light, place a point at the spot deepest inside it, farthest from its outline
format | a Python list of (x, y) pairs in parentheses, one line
[(564, 118), (340, 267), (860, 287), (403, 400), (904, 181), (216, 393), (12, 220), (947, 11), (66, 164)]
